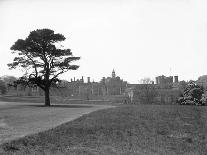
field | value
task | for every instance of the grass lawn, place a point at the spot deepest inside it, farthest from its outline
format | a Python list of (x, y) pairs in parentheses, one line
[(21, 119), (53, 99), (125, 130)]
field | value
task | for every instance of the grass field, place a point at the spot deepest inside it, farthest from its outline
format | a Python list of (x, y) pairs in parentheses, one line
[(142, 129), (53, 99)]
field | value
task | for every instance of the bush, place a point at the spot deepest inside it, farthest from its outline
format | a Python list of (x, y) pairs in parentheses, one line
[(193, 95), (204, 100)]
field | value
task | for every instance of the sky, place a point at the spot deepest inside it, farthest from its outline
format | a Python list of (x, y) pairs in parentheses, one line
[(136, 38)]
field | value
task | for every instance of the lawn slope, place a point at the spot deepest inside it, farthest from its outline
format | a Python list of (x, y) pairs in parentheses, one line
[(143, 129)]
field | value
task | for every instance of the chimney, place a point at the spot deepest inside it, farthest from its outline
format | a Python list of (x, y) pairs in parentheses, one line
[(88, 79), (104, 80), (157, 82), (175, 79)]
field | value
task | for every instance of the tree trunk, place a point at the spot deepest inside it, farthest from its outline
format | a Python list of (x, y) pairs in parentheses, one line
[(47, 96)]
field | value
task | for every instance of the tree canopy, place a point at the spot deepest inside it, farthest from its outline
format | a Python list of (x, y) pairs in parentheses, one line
[(146, 91), (42, 60)]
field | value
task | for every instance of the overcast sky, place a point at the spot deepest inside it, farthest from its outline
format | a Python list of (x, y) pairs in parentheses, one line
[(137, 38)]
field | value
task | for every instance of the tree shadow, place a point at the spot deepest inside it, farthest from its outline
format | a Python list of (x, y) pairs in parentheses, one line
[(60, 106)]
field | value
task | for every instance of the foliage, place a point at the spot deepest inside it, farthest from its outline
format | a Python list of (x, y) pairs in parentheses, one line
[(6, 82), (3, 88), (8, 79), (182, 85), (145, 80), (193, 90), (42, 58), (146, 91), (192, 94)]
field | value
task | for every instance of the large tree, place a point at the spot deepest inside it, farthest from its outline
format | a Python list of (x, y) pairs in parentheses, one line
[(43, 58)]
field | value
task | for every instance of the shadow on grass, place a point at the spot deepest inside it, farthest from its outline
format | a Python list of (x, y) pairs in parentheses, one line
[(60, 106)]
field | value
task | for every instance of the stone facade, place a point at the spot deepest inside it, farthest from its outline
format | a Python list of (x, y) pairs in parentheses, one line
[(113, 85), (166, 90), (107, 86), (166, 82)]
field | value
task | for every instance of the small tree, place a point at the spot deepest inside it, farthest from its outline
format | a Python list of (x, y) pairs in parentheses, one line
[(145, 80), (146, 91), (42, 60)]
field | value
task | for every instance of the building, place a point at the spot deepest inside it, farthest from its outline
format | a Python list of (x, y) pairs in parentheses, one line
[(113, 85), (166, 82), (202, 81), (165, 91)]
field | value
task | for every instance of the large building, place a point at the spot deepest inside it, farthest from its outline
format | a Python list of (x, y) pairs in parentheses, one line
[(166, 82), (166, 90), (113, 85)]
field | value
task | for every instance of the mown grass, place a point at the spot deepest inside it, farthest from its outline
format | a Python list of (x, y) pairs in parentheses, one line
[(125, 130), (54, 99)]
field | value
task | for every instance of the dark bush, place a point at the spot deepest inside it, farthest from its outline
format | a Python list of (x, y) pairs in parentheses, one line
[(193, 95)]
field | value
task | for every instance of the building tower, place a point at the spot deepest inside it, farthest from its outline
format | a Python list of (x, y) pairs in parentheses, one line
[(89, 80), (113, 74), (157, 81), (175, 79)]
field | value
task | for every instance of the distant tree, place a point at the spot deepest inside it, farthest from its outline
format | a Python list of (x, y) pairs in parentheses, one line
[(23, 82), (2, 87), (63, 83), (8, 79), (182, 85), (146, 91), (43, 59), (146, 80)]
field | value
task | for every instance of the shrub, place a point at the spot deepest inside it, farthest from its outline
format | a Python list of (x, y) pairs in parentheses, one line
[(192, 95)]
